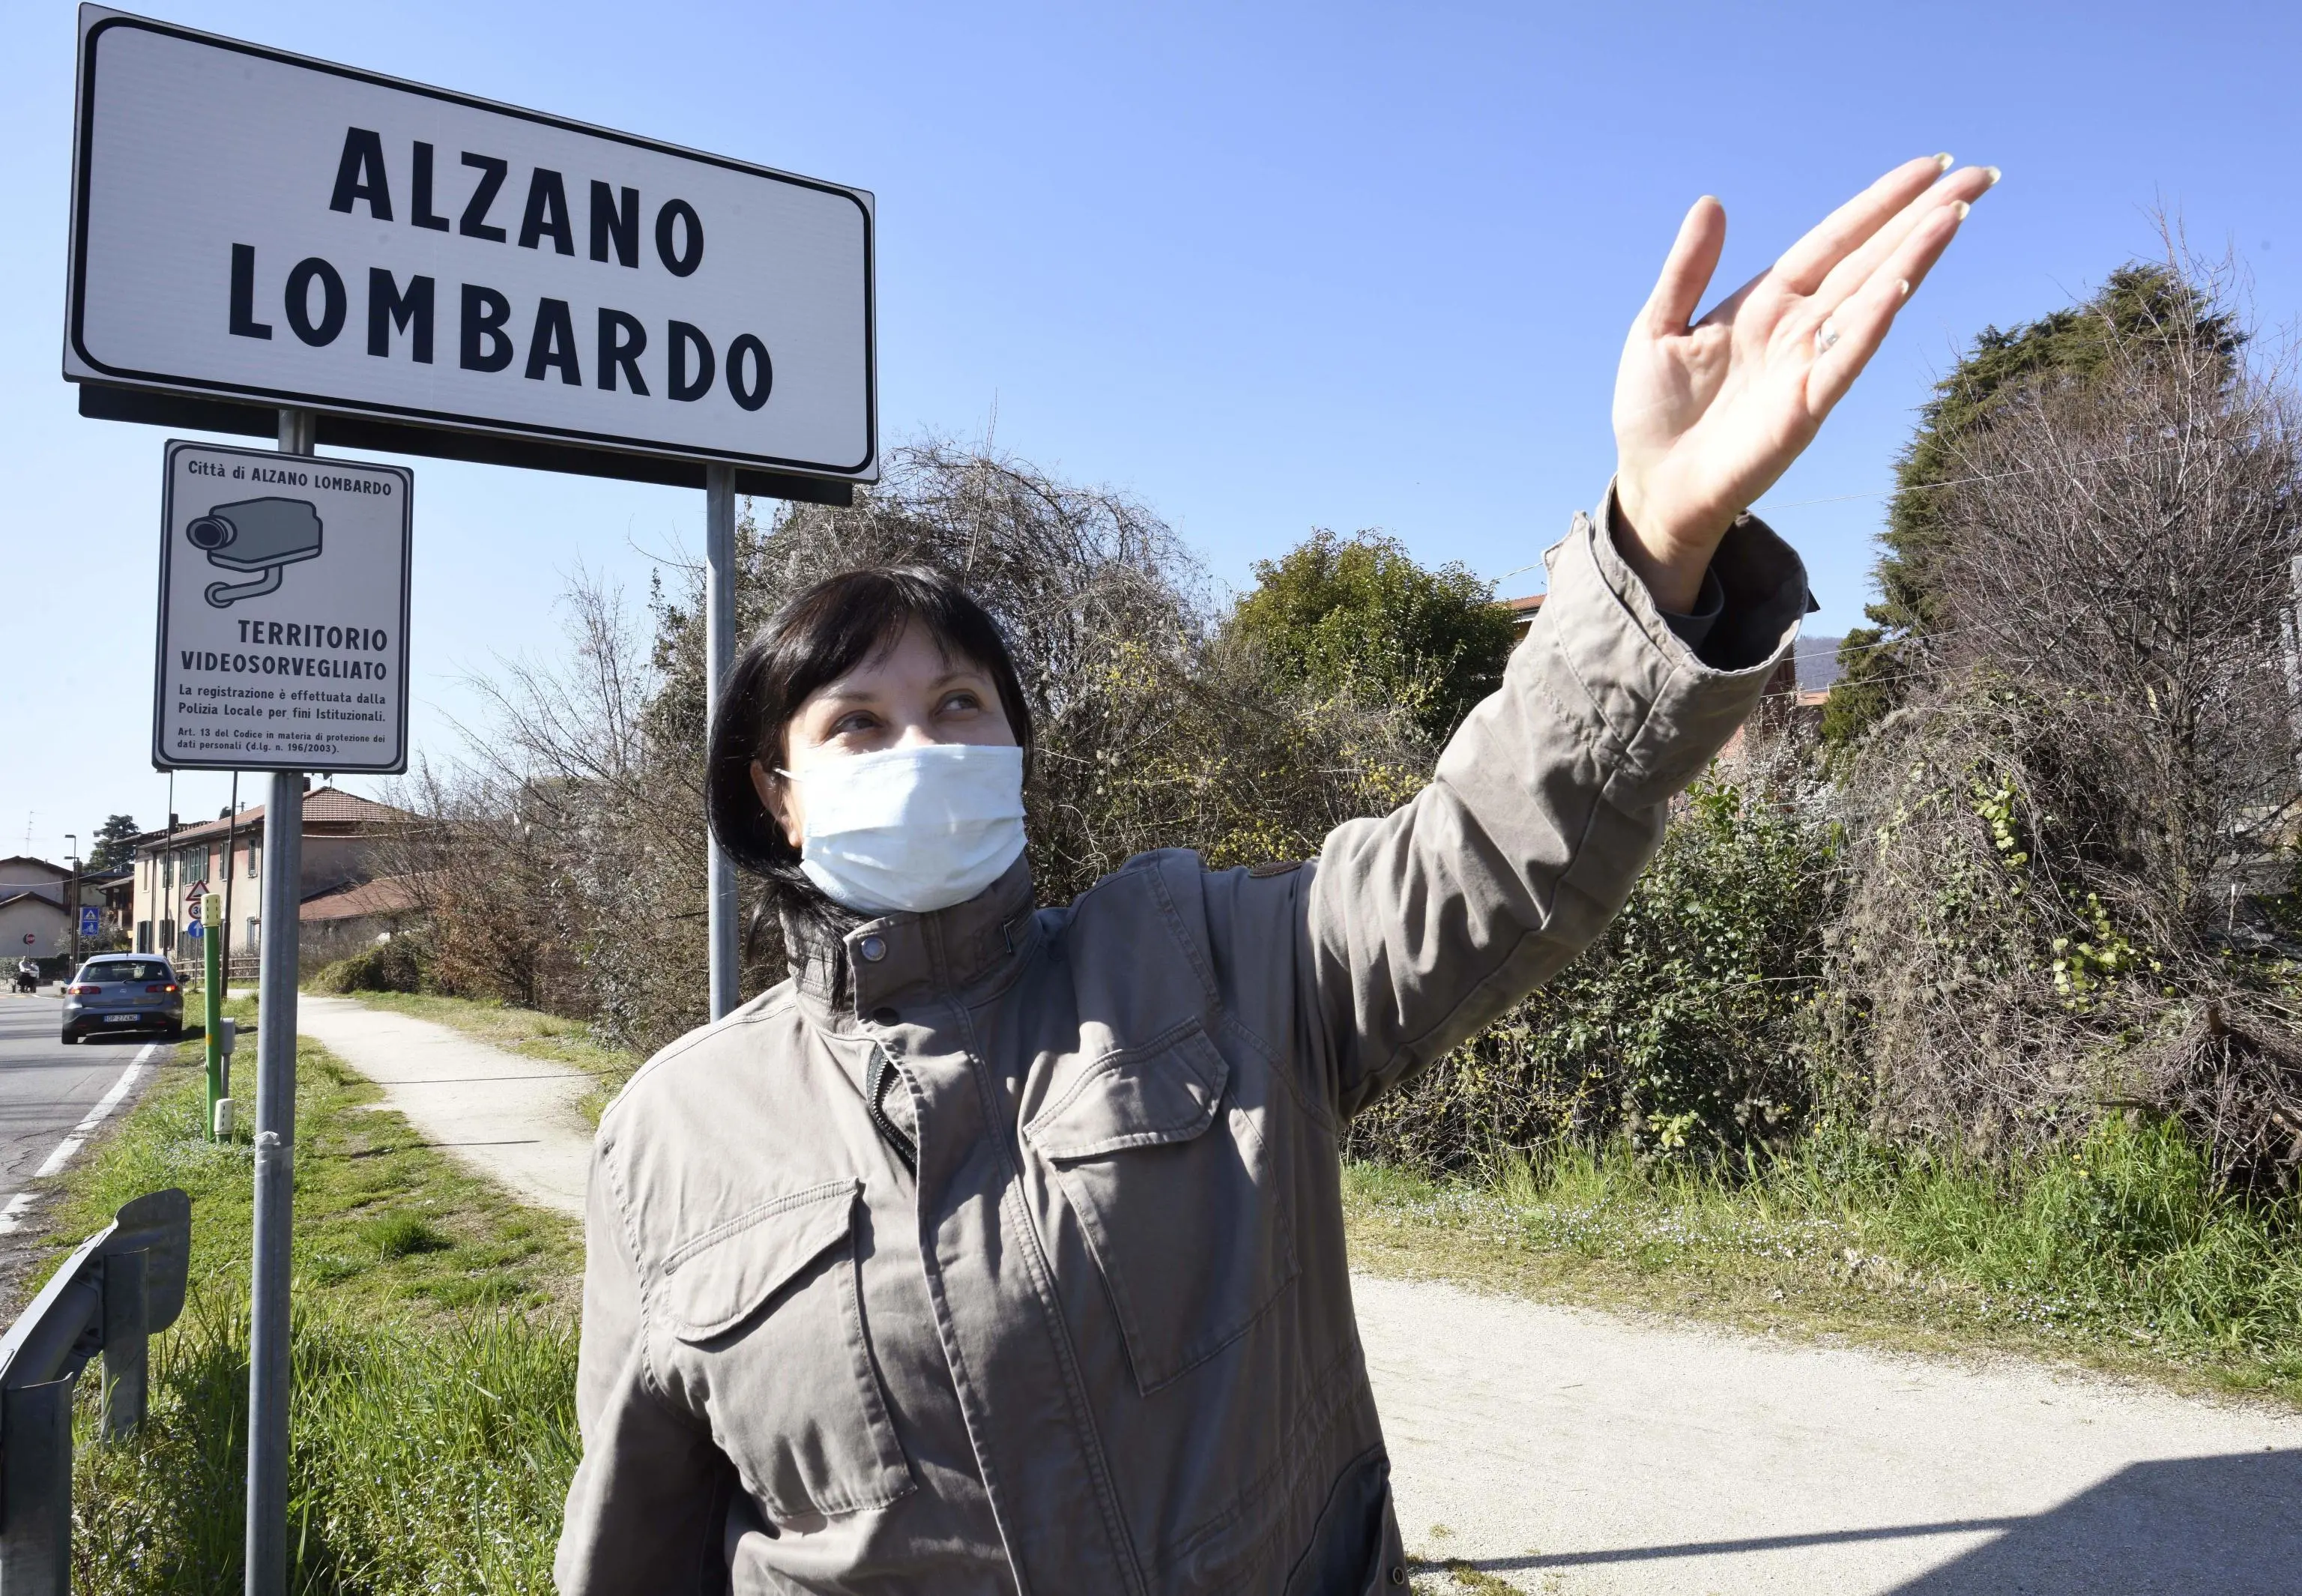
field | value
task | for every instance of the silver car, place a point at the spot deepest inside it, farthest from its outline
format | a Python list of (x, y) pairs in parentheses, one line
[(124, 992)]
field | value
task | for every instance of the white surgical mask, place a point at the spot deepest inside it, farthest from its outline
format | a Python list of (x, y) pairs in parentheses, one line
[(913, 828)]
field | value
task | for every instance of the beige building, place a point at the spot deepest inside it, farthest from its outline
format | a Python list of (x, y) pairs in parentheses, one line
[(35, 921), (340, 831)]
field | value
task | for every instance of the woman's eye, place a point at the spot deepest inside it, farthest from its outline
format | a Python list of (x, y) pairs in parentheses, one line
[(961, 700), (848, 725)]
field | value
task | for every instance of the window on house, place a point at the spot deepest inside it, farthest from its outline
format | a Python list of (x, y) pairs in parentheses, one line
[(254, 935), (254, 852)]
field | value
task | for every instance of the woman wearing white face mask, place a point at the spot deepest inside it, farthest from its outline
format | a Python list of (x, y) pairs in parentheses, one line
[(1001, 1248)]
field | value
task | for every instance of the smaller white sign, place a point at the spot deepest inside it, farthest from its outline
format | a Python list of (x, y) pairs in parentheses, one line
[(284, 613)]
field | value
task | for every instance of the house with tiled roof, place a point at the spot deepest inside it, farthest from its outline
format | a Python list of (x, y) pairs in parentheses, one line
[(1523, 612), (225, 856), (36, 919)]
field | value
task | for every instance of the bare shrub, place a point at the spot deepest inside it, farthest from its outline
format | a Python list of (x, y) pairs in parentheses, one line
[(2094, 758), (563, 866), (560, 866), (1152, 732)]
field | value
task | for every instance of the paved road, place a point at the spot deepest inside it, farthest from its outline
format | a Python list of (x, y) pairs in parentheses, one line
[(1560, 1450), (49, 1095)]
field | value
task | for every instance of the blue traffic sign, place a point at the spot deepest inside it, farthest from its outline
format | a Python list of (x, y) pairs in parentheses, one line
[(89, 925)]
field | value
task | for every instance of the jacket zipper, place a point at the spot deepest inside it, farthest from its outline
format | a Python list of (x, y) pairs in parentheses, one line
[(875, 1087)]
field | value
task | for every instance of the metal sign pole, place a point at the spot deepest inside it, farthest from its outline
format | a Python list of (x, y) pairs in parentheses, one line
[(276, 1157), (719, 655)]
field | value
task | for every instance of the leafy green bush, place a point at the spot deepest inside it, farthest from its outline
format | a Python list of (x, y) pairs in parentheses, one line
[(400, 965), (1683, 1025), (1358, 615)]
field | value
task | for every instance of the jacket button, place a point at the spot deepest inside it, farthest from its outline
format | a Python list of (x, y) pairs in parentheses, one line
[(872, 948), (1398, 1574), (883, 1015)]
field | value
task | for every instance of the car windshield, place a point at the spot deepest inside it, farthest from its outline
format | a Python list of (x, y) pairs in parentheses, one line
[(124, 969)]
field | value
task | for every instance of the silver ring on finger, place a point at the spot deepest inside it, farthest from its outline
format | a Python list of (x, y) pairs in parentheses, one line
[(1824, 336)]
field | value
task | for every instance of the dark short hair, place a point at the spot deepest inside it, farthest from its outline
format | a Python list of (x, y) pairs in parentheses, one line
[(817, 638)]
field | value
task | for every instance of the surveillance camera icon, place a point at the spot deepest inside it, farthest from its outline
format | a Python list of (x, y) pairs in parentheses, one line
[(255, 535)]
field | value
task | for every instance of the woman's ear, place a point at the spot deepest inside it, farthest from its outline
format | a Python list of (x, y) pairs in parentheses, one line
[(781, 796)]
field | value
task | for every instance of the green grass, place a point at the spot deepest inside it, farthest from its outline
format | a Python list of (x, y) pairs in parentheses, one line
[(2119, 1255), (521, 1030), (432, 1426)]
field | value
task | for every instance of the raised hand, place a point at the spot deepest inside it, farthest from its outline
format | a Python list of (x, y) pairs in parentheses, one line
[(1708, 415)]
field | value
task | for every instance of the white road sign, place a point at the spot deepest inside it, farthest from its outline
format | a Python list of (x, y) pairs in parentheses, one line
[(284, 613), (257, 226)]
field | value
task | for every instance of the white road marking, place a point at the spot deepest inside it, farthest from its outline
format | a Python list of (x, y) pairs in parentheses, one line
[(12, 1215)]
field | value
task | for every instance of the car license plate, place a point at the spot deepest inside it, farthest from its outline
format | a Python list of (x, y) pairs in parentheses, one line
[(121, 1018)]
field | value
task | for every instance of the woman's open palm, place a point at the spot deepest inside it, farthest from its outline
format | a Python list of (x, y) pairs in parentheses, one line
[(1710, 413)]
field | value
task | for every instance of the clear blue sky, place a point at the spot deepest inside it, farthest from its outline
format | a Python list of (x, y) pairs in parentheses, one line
[(1268, 268)]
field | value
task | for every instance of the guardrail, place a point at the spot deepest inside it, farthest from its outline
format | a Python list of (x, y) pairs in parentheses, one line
[(125, 1284)]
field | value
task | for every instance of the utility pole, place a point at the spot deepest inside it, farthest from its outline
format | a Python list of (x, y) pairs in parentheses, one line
[(231, 825), (165, 933), (71, 896)]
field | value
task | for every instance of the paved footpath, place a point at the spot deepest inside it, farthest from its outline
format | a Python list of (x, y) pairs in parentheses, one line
[(510, 1117), (1570, 1451)]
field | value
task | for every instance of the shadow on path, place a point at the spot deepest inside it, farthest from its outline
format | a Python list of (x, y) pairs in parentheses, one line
[(2230, 1524)]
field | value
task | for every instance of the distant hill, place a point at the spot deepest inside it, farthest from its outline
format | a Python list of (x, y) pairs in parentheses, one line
[(1818, 662)]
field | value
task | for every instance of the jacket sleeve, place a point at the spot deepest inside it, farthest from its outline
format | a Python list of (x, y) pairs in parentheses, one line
[(1421, 927), (647, 1508)]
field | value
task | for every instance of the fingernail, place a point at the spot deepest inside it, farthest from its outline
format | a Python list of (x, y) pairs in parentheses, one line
[(1942, 162), (1995, 175), (1961, 207), (1901, 288)]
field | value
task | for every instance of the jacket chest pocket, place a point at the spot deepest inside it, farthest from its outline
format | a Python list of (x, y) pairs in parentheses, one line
[(1174, 1191), (767, 1306)]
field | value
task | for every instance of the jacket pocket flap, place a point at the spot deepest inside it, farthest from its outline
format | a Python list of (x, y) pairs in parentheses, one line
[(720, 1279), (1167, 1090)]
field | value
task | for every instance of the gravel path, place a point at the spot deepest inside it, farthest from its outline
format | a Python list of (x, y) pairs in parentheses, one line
[(1570, 1451)]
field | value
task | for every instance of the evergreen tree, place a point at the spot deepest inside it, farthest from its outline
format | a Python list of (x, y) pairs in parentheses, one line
[(2067, 345), (115, 847)]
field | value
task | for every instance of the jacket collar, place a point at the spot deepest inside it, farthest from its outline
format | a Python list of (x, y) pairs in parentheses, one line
[(840, 977)]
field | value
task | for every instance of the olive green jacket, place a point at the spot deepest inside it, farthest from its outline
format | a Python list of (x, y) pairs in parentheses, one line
[(1001, 1249)]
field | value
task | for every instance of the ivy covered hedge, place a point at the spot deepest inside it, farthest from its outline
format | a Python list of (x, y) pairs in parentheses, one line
[(1687, 1027)]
